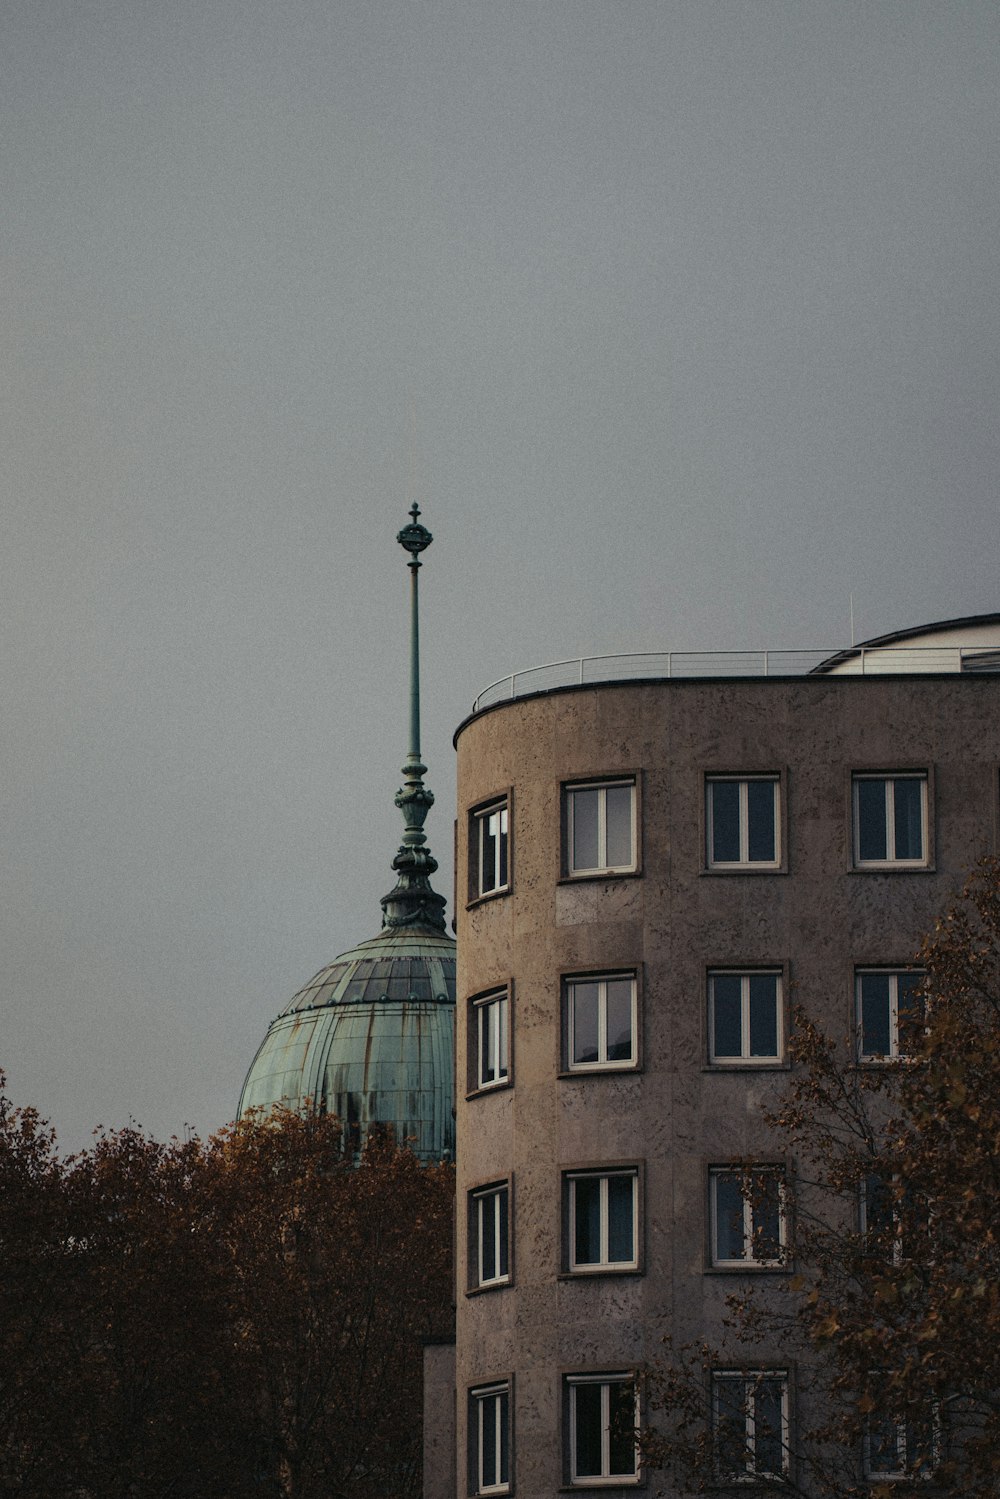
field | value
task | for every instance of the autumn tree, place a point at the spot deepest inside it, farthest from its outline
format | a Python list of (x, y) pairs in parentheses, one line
[(34, 1313), (338, 1271), (147, 1399), (891, 1306), (216, 1320)]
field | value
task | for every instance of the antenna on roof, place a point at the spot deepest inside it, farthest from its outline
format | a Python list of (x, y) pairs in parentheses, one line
[(852, 619)]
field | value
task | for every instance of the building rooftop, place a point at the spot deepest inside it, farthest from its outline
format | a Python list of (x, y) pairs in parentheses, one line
[(969, 644)]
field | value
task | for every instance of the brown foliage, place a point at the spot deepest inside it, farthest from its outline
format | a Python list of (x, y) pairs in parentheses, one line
[(893, 1310), (227, 1319)]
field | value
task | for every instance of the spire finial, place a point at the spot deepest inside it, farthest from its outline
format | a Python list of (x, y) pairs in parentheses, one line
[(414, 537), (413, 902)]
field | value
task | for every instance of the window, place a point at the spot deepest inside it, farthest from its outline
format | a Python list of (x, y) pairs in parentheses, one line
[(489, 1235), (879, 1216), (601, 1214), (888, 1208), (747, 1216), (742, 822), (489, 1035), (489, 1439), (900, 1449), (602, 1420), (600, 828), (600, 1021), (490, 850), (890, 1009), (890, 820), (745, 1017), (750, 1424)]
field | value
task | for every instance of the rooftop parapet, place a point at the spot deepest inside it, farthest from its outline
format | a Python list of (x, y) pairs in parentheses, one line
[(947, 648)]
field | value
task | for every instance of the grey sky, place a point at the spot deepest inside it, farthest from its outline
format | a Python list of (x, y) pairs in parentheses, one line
[(680, 321)]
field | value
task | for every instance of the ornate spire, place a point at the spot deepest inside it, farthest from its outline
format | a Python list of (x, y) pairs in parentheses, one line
[(413, 902)]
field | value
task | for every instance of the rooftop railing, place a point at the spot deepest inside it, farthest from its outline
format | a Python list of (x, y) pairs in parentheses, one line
[(874, 660)]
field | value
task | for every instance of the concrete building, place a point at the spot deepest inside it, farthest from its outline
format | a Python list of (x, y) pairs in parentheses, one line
[(647, 868)]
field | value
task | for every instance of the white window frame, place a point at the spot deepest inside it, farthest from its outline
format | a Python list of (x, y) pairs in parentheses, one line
[(602, 788), (493, 1203), (500, 873), (573, 1383), (602, 980), (749, 1180), (893, 975), (604, 1263), (750, 1379), (746, 1058), (888, 779), (491, 1022), (744, 861), (488, 1405)]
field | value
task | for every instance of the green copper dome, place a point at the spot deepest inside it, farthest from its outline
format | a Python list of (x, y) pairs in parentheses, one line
[(372, 1037)]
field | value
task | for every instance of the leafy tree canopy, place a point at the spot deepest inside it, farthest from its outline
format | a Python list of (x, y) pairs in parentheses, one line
[(223, 1319)]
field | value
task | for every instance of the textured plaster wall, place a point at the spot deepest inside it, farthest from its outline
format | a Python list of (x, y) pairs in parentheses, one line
[(671, 922), (439, 1421)]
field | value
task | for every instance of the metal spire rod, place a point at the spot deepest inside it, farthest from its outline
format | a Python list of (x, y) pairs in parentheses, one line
[(412, 544), (414, 902)]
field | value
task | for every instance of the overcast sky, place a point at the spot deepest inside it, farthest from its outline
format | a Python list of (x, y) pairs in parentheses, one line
[(679, 320)]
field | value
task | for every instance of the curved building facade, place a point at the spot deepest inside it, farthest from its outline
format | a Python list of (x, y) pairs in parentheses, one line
[(646, 871)]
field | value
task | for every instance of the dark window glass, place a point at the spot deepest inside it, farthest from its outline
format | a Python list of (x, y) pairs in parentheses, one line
[(766, 1211), (492, 1227), (489, 1430), (619, 827), (729, 1237), (725, 810), (584, 999), (359, 978), (587, 1220), (730, 1428), (504, 1438), (760, 822), (763, 1015), (492, 850), (588, 1431), (909, 1009), (769, 1450), (585, 829), (491, 1019), (500, 821), (619, 1020), (488, 877), (486, 1073), (879, 1207), (503, 1196), (727, 1006), (621, 1228), (488, 1256), (908, 798), (875, 1015), (883, 1446), (622, 1423), (871, 820)]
